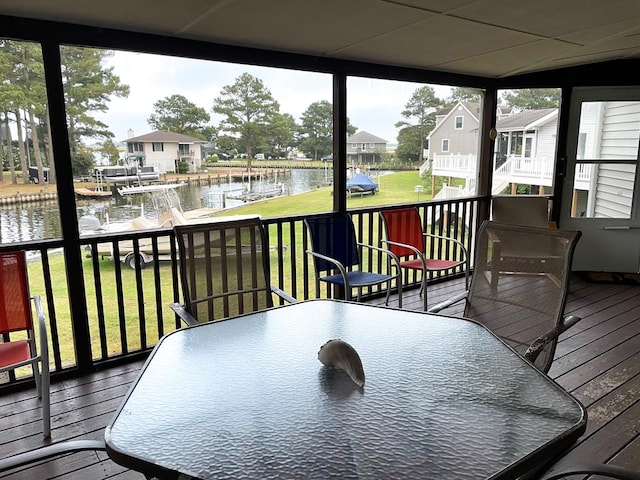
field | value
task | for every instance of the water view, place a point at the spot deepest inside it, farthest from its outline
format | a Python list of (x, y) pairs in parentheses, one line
[(38, 220)]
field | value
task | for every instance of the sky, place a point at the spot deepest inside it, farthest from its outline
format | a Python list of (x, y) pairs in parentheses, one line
[(372, 105)]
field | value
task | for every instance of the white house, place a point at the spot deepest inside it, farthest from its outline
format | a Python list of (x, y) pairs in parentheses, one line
[(163, 150), (524, 151)]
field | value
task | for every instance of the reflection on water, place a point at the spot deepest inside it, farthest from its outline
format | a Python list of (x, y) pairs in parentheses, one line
[(40, 220)]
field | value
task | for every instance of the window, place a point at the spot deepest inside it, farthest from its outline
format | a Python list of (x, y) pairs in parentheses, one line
[(135, 147), (354, 146), (183, 149), (158, 147), (605, 171), (458, 122), (516, 143), (363, 146), (445, 144)]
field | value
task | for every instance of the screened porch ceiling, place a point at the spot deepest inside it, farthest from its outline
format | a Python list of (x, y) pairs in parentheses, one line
[(488, 38)]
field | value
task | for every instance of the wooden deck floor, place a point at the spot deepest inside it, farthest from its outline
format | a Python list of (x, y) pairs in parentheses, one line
[(598, 361)]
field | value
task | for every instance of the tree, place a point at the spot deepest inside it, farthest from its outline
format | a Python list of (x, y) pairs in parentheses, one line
[(280, 134), (109, 151), (247, 108), (22, 90), (532, 98), (179, 115), (88, 87), (408, 150), (463, 94), (421, 108), (316, 129)]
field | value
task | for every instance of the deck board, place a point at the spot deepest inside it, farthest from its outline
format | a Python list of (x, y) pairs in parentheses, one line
[(598, 361)]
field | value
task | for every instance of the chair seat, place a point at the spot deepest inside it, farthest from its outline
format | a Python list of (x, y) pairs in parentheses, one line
[(14, 352), (358, 279), (432, 264)]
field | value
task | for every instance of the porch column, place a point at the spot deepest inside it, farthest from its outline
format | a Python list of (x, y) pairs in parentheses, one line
[(67, 205), (486, 149), (339, 142)]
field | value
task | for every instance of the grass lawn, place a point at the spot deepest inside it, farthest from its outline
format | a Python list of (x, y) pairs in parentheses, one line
[(395, 188)]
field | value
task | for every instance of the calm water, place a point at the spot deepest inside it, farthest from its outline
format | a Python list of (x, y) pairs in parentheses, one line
[(40, 220)]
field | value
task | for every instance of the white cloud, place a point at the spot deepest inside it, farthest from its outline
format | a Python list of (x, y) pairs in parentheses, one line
[(373, 105)]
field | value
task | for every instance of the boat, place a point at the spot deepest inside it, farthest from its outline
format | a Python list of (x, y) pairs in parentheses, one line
[(167, 213), (276, 190), (361, 184)]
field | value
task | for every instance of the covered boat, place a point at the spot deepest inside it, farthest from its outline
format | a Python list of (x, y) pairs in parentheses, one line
[(361, 183)]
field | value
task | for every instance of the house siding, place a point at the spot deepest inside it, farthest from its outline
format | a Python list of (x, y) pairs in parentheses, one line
[(163, 161), (461, 141), (545, 139), (618, 141)]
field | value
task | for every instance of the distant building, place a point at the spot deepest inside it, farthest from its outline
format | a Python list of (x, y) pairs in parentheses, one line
[(163, 150), (365, 148)]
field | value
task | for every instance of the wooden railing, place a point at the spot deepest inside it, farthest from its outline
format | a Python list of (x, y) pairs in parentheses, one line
[(127, 308)]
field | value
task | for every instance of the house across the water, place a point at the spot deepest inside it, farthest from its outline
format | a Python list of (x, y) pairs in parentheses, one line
[(164, 151)]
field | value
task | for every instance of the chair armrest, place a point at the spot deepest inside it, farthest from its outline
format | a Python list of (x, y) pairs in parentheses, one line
[(404, 245), (391, 255), (185, 316), (338, 265), (447, 303), (539, 343), (465, 252), (282, 294), (611, 471), (450, 239), (49, 451)]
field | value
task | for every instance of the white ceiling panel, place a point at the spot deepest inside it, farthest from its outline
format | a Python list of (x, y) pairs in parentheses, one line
[(429, 42), (492, 38), (303, 26)]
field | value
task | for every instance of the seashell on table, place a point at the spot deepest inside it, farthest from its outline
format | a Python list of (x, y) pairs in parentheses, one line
[(339, 354)]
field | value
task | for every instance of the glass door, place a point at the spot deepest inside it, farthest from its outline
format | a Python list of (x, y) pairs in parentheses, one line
[(600, 194)]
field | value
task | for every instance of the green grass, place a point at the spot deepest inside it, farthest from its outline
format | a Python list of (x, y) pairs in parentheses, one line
[(395, 188)]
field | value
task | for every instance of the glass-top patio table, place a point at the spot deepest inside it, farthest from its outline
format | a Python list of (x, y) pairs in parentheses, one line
[(247, 398)]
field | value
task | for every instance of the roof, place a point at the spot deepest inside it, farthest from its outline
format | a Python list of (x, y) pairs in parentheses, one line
[(473, 107), (365, 137), (524, 119), (165, 136), (486, 38)]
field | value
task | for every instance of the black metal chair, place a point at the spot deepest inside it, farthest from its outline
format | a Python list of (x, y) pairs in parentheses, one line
[(521, 297), (334, 248), (224, 269)]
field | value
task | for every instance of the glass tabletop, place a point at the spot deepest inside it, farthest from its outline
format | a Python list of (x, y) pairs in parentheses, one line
[(248, 398)]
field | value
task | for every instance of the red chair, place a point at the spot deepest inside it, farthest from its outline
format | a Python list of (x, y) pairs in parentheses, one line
[(15, 317), (406, 239)]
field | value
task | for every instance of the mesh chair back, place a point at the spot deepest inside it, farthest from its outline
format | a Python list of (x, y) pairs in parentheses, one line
[(333, 236), (15, 307), (521, 297), (224, 268), (530, 210), (403, 226)]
